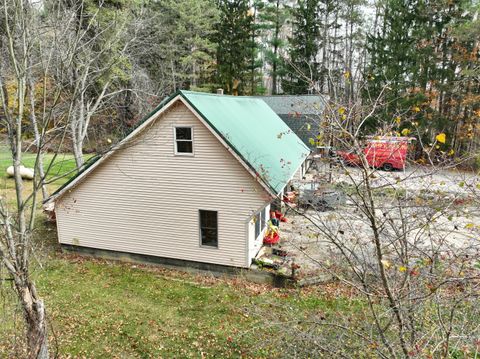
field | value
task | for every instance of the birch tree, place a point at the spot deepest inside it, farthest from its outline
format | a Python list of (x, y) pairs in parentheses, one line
[(94, 58), (17, 221), (30, 104)]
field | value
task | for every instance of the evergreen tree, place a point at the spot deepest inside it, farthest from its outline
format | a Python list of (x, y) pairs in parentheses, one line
[(415, 54), (392, 50), (255, 79), (177, 50), (273, 18), (465, 92), (235, 46), (302, 65)]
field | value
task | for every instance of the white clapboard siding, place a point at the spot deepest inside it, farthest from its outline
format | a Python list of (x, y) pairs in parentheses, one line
[(145, 200)]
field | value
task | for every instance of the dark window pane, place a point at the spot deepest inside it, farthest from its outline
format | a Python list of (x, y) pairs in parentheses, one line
[(209, 237), (209, 228), (183, 133), (184, 147), (208, 218)]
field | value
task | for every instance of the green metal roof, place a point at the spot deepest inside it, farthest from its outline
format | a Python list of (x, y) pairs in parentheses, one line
[(255, 132)]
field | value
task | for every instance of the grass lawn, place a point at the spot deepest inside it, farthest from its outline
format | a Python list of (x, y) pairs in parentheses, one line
[(62, 168), (103, 309)]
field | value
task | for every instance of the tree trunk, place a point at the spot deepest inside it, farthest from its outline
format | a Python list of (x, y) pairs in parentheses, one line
[(325, 65), (78, 152), (275, 49), (35, 319), (174, 81), (15, 243), (252, 60), (77, 124), (38, 141)]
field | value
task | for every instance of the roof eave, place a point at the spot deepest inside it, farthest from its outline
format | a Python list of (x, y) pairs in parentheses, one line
[(293, 175)]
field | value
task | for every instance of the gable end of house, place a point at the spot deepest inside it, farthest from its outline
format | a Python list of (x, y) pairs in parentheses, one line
[(155, 115)]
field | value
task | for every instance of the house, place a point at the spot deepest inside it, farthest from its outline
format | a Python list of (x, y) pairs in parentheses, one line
[(193, 183), (301, 113)]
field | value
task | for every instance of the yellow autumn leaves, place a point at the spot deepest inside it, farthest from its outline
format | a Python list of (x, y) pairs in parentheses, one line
[(342, 111), (387, 265), (441, 137), (317, 141)]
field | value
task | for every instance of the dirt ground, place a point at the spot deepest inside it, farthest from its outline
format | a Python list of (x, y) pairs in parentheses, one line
[(452, 193), (416, 178)]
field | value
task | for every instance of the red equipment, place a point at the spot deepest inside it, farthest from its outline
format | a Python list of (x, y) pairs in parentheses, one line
[(272, 238), (381, 152), (278, 215)]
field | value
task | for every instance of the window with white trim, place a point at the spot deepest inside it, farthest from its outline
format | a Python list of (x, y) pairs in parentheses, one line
[(258, 225), (209, 228), (264, 217), (183, 140), (260, 220)]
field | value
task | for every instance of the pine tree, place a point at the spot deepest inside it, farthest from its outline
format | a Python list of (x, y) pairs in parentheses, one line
[(255, 79), (235, 46), (423, 63), (177, 48), (302, 65), (273, 18), (398, 51)]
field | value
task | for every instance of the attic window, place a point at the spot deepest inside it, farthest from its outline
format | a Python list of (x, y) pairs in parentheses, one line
[(183, 140)]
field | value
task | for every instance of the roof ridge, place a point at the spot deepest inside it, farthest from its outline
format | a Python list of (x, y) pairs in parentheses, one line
[(242, 97), (208, 93), (254, 97)]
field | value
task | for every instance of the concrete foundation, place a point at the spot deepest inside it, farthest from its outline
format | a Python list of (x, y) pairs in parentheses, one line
[(254, 275)]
